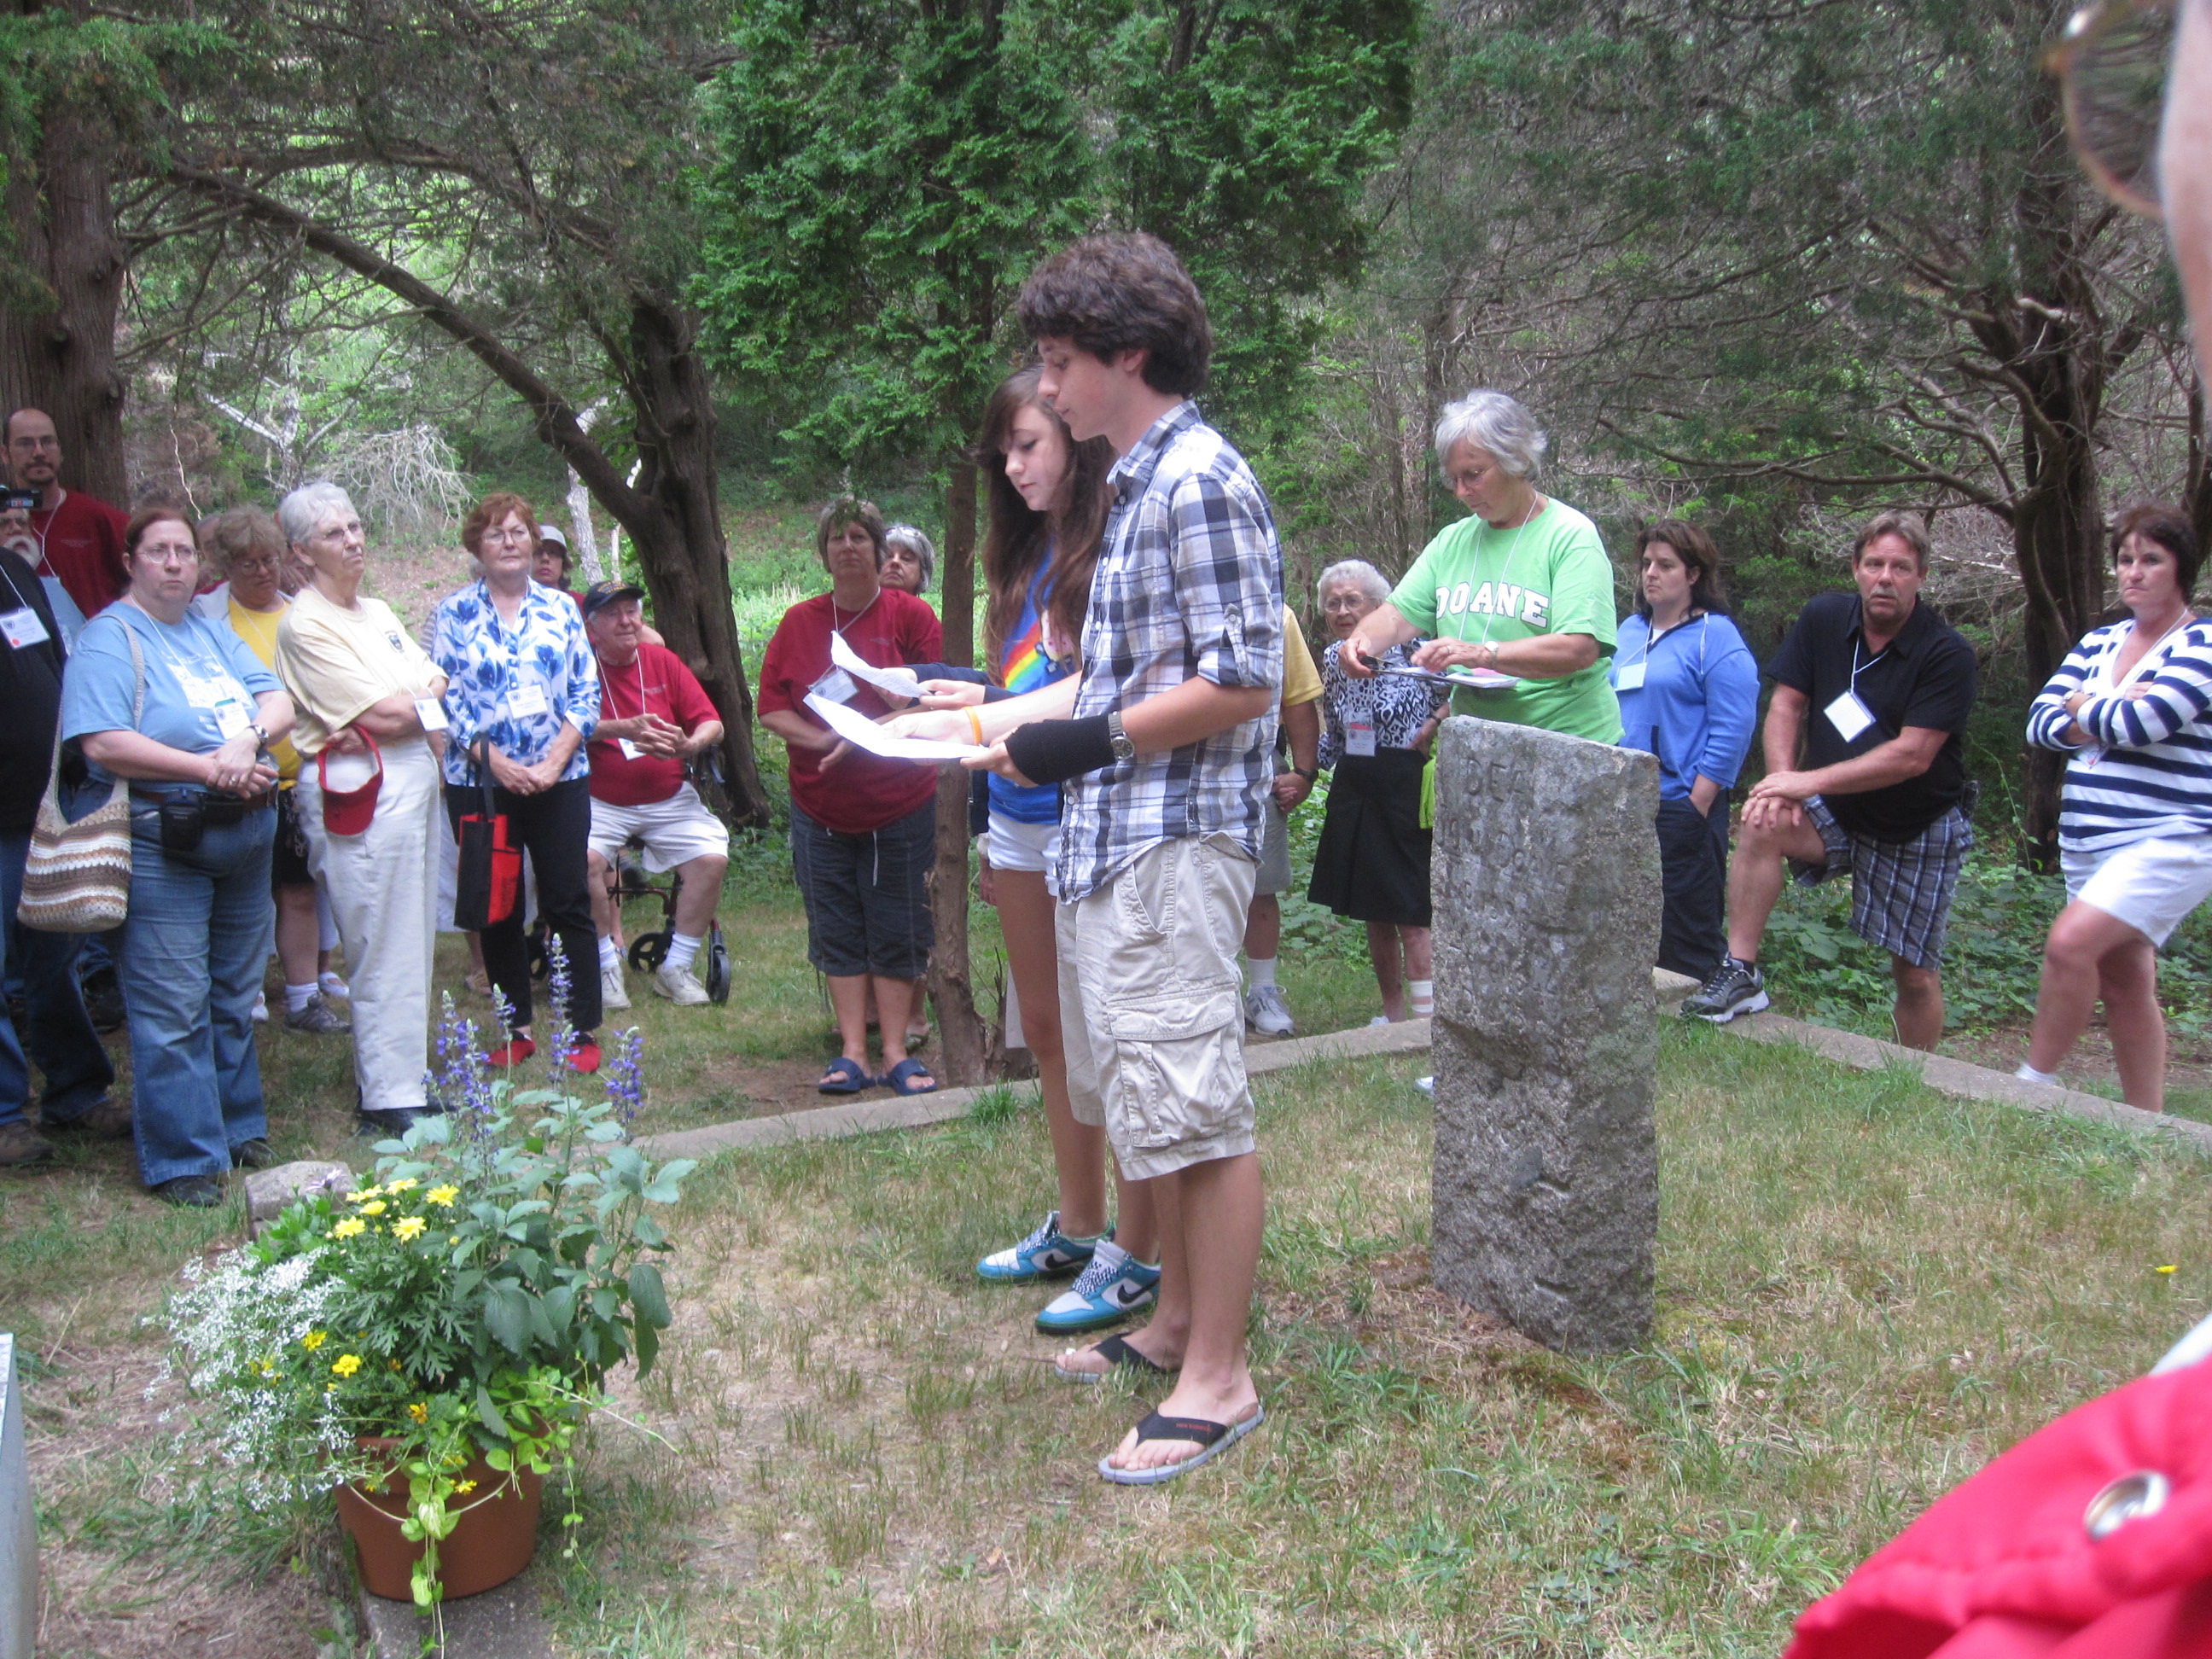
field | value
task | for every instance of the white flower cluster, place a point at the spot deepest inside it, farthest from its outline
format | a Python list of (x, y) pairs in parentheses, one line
[(234, 1323)]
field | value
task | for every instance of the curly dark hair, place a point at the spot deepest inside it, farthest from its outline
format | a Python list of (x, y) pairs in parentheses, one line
[(1109, 294)]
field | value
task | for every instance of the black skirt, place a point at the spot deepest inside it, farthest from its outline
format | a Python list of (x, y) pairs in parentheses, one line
[(1373, 863)]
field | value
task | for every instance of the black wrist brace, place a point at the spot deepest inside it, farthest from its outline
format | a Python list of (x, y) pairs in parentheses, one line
[(1053, 752)]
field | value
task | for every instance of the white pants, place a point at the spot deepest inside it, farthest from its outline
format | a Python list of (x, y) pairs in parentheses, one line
[(383, 883)]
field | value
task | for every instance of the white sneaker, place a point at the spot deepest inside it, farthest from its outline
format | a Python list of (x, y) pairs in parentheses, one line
[(334, 988), (679, 986), (261, 1008), (1269, 1014), (613, 993)]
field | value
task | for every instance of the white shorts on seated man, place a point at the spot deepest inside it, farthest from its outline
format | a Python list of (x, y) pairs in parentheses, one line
[(653, 718)]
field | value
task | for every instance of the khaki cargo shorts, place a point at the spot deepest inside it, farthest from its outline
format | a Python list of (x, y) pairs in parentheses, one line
[(1150, 1010)]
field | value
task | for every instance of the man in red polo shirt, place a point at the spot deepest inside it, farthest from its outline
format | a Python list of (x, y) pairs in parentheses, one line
[(654, 716), (80, 537)]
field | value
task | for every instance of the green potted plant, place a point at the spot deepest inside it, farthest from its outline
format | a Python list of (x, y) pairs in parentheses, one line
[(428, 1346)]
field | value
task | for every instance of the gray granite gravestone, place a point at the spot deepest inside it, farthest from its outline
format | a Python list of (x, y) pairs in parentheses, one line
[(1546, 884), (19, 1519)]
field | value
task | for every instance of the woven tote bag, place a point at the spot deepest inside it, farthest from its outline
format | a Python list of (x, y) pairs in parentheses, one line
[(76, 878)]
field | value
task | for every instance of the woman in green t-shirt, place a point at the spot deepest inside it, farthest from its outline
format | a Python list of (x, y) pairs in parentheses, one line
[(1518, 595)]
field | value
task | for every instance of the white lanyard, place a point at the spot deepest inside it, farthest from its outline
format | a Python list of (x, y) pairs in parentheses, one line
[(1481, 529), (2150, 659), (837, 627)]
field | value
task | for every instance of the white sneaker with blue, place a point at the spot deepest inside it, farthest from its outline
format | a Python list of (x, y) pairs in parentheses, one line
[(1114, 1286), (1048, 1252)]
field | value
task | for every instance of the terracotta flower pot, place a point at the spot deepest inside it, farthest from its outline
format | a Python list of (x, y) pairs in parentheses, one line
[(492, 1541)]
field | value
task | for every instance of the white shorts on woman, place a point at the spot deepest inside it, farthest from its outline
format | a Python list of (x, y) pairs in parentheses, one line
[(1012, 845), (2152, 885)]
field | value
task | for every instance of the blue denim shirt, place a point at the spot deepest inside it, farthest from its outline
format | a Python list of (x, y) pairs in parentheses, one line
[(486, 664)]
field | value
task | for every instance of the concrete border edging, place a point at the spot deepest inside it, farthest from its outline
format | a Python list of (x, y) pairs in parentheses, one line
[(872, 1116)]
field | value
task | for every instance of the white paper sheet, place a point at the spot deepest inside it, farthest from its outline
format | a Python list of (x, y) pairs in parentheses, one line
[(862, 732), (897, 681)]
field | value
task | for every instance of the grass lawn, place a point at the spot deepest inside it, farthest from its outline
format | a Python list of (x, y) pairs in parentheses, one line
[(1866, 1289)]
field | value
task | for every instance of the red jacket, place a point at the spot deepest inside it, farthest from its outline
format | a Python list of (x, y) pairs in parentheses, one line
[(2004, 1566)]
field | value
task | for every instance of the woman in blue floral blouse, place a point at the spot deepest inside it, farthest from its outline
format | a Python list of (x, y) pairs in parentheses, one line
[(523, 692)]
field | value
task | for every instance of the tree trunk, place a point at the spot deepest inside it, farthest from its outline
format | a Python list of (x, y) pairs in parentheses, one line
[(59, 356), (963, 1045), (681, 550)]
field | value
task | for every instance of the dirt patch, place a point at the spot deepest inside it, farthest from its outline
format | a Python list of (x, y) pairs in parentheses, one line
[(120, 1574)]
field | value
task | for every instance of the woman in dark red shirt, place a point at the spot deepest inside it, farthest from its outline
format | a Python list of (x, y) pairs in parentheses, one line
[(864, 832)]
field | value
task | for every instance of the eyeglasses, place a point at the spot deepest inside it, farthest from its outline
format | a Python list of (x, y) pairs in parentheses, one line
[(2110, 62), (510, 535), (169, 552)]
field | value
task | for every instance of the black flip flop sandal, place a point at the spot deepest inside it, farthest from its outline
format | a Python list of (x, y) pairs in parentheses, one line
[(1212, 1439), (1118, 1353)]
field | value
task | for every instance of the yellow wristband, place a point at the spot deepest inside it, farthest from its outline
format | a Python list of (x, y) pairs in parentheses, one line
[(976, 727)]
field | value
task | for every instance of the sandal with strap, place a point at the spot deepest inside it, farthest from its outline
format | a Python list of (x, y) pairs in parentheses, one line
[(900, 1076), (1211, 1437), (1117, 1352), (844, 1077)]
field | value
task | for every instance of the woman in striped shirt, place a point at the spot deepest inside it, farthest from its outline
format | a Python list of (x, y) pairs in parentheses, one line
[(2132, 705)]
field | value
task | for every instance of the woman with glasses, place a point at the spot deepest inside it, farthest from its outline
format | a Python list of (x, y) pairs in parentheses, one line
[(523, 696), (1689, 694), (1371, 863), (247, 547), (174, 703)]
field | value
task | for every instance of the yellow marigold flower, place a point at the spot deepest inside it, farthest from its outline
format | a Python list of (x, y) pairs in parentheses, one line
[(420, 1411), (405, 1184), (375, 1206), (314, 1339), (443, 1197), (346, 1365), (465, 1486), (352, 1225), (409, 1227)]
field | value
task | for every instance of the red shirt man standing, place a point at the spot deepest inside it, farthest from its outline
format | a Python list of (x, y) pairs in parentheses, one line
[(80, 537)]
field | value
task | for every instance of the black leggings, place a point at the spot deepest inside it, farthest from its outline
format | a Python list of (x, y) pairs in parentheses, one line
[(554, 827)]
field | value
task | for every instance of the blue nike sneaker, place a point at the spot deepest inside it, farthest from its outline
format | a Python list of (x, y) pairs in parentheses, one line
[(1113, 1287), (1048, 1252)]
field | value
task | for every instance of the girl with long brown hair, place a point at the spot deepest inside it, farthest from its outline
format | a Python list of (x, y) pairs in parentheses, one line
[(1048, 499)]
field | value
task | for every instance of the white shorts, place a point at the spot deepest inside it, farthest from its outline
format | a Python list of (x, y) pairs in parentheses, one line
[(675, 832), (2151, 886), (1012, 845)]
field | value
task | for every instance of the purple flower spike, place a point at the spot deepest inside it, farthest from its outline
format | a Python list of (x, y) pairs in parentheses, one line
[(562, 1041), (625, 1076)]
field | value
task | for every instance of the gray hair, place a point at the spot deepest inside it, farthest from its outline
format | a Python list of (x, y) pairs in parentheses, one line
[(1494, 421), (912, 539), (303, 512), (1357, 573)]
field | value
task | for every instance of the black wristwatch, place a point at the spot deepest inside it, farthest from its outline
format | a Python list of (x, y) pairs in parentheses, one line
[(1312, 776), (1124, 747)]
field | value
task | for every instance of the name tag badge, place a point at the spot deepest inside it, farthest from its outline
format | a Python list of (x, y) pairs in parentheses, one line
[(629, 750), (1358, 737), (230, 720), (203, 691), (528, 701), (23, 629), (431, 713), (1629, 677), (1849, 716), (836, 686)]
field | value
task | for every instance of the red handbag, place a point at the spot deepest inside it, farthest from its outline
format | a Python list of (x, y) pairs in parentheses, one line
[(489, 878), (2092, 1538)]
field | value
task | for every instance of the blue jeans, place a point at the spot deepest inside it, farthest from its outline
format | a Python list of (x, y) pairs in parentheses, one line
[(190, 962), (56, 1033)]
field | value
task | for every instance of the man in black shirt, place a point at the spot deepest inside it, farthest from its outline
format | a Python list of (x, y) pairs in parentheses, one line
[(57, 1032), (1877, 687)]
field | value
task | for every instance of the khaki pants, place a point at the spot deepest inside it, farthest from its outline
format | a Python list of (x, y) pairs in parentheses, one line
[(1150, 1010), (383, 883)]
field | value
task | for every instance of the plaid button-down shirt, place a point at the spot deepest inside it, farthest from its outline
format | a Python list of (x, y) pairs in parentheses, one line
[(1189, 584)]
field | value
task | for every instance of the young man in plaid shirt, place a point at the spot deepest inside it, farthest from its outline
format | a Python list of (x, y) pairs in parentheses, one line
[(1165, 741)]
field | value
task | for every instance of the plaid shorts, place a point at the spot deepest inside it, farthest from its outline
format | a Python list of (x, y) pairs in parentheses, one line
[(1900, 890)]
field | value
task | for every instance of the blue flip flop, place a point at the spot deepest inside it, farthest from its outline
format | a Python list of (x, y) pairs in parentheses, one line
[(904, 1073), (851, 1078)]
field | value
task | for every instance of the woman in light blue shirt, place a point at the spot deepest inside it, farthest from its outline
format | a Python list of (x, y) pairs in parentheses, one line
[(177, 705), (523, 692), (1688, 688)]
